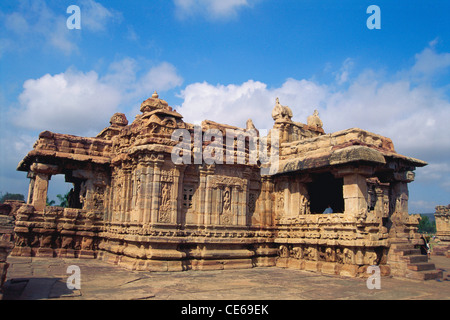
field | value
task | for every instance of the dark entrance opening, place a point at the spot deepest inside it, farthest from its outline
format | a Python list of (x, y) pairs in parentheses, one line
[(326, 190)]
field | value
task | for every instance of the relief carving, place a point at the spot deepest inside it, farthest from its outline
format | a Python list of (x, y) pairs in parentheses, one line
[(165, 206)]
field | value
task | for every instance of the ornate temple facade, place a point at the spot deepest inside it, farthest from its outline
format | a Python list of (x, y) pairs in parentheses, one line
[(133, 205)]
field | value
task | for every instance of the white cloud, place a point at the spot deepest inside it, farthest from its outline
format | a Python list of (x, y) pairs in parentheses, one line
[(34, 24), (211, 9), (428, 62), (95, 17), (414, 115), (234, 104), (343, 75), (82, 102)]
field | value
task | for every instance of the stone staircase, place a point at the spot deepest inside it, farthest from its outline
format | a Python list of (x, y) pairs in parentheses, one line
[(406, 261)]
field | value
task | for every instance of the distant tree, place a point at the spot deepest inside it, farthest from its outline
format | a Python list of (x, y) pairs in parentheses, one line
[(50, 203), (427, 226), (64, 200), (12, 196)]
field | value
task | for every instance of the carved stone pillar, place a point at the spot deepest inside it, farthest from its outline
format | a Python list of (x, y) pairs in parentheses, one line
[(243, 200), (200, 202), (208, 202), (42, 173), (205, 195), (141, 173), (148, 186), (399, 203), (31, 176), (266, 202), (355, 189), (127, 186), (40, 191), (179, 194)]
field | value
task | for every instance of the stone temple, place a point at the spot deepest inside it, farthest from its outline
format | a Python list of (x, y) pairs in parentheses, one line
[(133, 206)]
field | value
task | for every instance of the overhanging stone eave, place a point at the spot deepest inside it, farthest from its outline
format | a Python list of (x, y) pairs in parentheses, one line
[(410, 160), (339, 157), (55, 157)]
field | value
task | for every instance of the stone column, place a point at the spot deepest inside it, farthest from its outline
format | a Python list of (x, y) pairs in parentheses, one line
[(148, 185), (141, 173), (40, 191), (205, 205), (179, 219), (42, 173), (208, 202), (235, 194), (156, 188), (200, 202), (355, 189), (266, 202), (30, 175), (127, 185), (243, 200), (399, 197)]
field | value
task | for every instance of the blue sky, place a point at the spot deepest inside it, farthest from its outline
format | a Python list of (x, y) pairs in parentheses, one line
[(227, 61)]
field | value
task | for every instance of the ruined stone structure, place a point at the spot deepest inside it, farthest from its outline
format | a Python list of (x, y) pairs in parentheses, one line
[(442, 217), (132, 205), (6, 241)]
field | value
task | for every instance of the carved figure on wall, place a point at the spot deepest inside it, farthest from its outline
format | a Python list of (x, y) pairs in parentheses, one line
[(86, 243), (280, 199), (138, 190), (165, 195), (164, 210), (339, 256), (46, 241), (309, 253), (21, 241), (304, 205), (283, 251), (329, 255), (297, 252), (226, 200), (348, 256), (66, 242)]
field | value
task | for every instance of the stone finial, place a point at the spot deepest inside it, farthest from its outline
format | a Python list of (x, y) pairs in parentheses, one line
[(118, 119), (250, 125), (281, 113), (314, 120), (154, 103)]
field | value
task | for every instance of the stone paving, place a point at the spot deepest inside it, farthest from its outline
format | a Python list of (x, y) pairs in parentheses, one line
[(45, 278)]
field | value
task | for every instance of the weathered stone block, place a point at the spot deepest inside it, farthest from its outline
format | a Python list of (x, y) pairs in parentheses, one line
[(348, 270)]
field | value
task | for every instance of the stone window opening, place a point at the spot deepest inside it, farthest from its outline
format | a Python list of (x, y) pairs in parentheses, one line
[(63, 188), (326, 190), (188, 194)]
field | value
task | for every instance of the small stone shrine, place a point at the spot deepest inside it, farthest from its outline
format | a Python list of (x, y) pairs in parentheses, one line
[(442, 217)]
